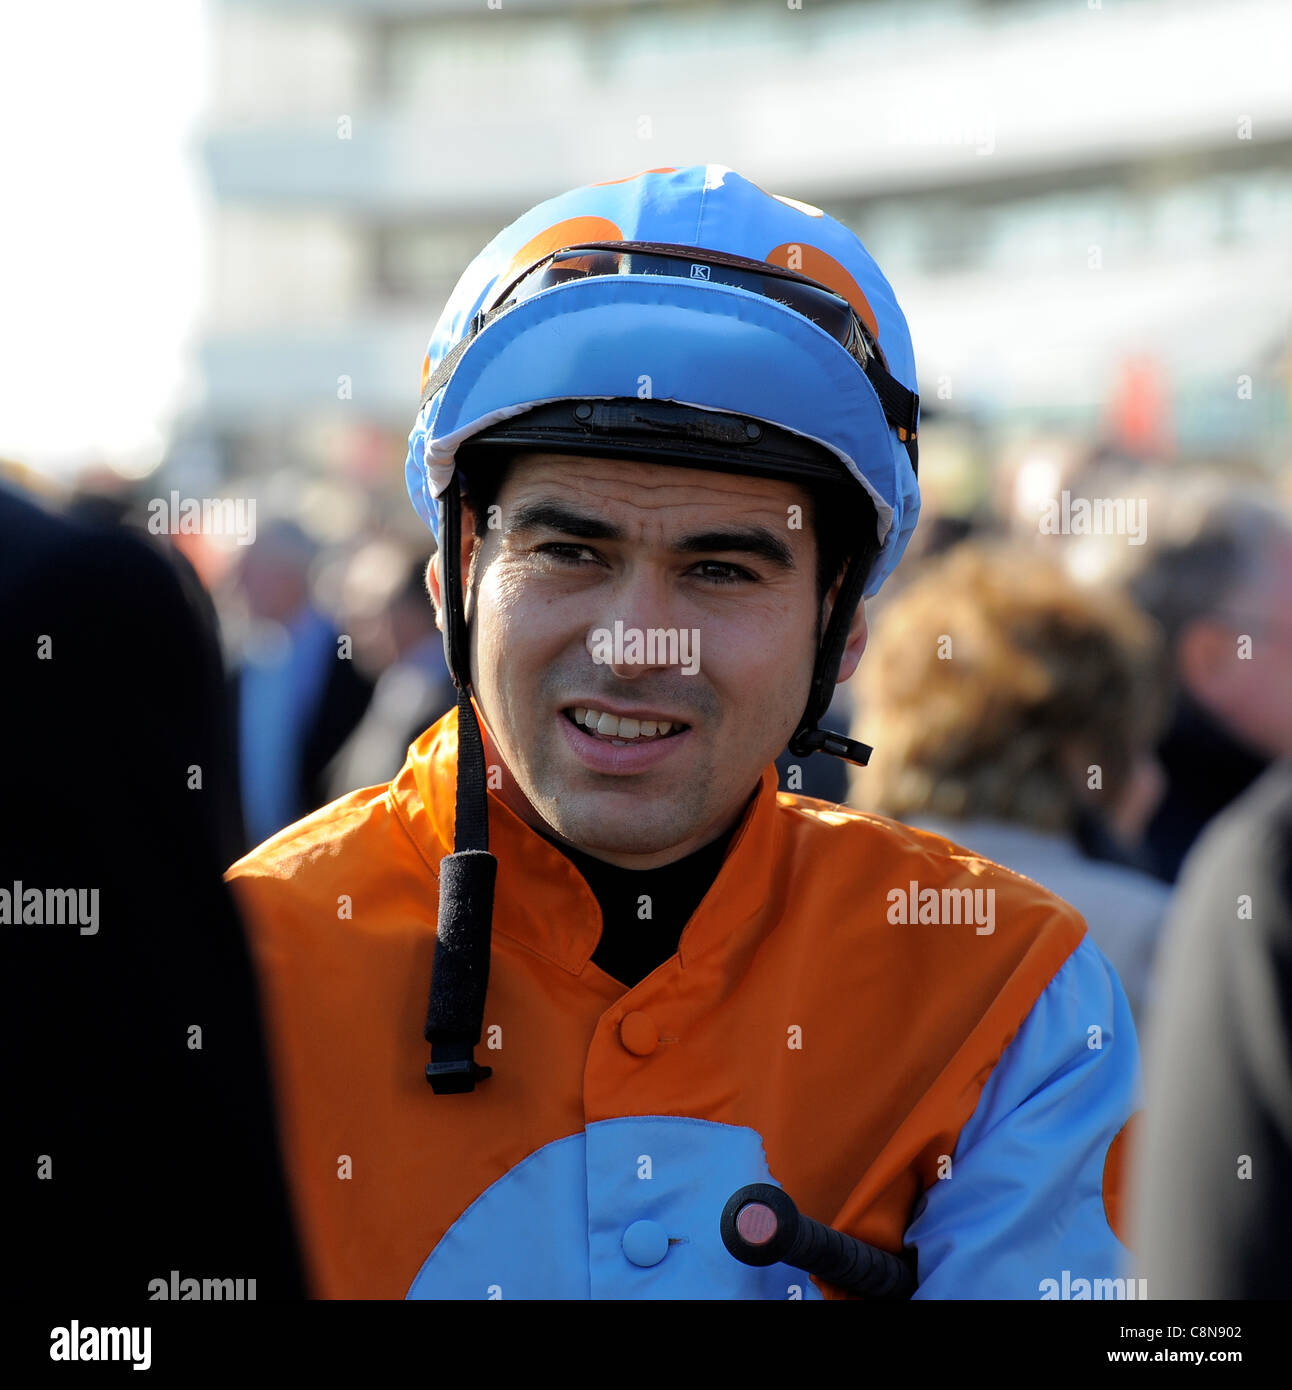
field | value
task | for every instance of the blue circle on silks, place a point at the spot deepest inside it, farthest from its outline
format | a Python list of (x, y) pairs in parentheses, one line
[(558, 1224)]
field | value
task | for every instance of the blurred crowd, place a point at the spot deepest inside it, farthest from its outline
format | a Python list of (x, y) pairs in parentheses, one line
[(1078, 702), (1076, 706), (326, 700), (1075, 703)]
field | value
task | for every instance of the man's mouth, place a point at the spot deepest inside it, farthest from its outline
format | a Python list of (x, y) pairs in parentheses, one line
[(616, 729)]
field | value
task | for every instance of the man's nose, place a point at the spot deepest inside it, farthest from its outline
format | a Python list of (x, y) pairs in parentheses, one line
[(630, 634)]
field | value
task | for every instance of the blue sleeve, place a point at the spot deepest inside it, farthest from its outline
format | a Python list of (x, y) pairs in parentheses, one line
[(1023, 1201)]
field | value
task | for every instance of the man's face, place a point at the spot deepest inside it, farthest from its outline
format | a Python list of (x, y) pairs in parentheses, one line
[(603, 585), (1248, 688)]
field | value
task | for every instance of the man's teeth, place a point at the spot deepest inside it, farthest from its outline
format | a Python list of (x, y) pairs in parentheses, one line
[(612, 726)]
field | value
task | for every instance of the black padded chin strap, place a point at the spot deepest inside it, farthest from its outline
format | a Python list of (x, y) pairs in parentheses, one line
[(808, 738), (460, 975)]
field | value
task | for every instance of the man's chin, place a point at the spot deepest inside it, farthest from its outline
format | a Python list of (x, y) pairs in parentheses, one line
[(618, 821), (658, 811)]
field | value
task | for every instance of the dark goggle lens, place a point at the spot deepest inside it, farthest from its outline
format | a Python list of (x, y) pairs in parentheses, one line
[(822, 306)]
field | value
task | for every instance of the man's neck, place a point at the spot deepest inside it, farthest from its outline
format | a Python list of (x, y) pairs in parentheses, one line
[(644, 912), (656, 860)]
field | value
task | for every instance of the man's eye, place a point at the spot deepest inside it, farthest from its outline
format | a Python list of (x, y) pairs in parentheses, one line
[(566, 552), (720, 573), (572, 554)]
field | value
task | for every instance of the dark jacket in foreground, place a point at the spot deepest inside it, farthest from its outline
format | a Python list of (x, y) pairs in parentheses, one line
[(129, 1152)]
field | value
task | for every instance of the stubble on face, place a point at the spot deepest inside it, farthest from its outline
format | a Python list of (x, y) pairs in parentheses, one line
[(531, 659)]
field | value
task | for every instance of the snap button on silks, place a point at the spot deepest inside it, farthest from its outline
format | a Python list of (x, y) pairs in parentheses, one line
[(638, 1034), (645, 1243)]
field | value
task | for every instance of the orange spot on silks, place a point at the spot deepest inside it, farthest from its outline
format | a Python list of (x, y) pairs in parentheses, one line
[(820, 265), (426, 371), (606, 183), (1117, 1169), (555, 238)]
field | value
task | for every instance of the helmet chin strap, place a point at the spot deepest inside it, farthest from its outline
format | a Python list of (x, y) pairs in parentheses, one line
[(460, 974), (808, 738)]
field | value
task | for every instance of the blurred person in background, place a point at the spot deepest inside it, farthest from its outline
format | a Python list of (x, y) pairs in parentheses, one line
[(296, 691), (1212, 1188), (1220, 586), (412, 691), (1013, 710), (102, 502)]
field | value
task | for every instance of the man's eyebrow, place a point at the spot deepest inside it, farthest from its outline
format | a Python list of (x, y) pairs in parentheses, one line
[(554, 516), (749, 540)]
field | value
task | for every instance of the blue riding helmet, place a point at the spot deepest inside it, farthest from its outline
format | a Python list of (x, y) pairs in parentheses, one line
[(629, 317)]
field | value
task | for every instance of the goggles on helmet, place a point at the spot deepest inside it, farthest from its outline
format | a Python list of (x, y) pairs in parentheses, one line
[(811, 300), (814, 301)]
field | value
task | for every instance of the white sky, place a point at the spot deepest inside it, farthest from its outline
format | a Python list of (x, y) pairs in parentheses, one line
[(100, 232)]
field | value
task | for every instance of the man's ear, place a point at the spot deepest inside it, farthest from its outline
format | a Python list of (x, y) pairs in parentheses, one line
[(434, 576), (857, 632), (857, 635), (434, 588)]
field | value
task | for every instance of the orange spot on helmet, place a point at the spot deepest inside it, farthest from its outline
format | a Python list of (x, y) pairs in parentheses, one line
[(819, 265), (555, 238)]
